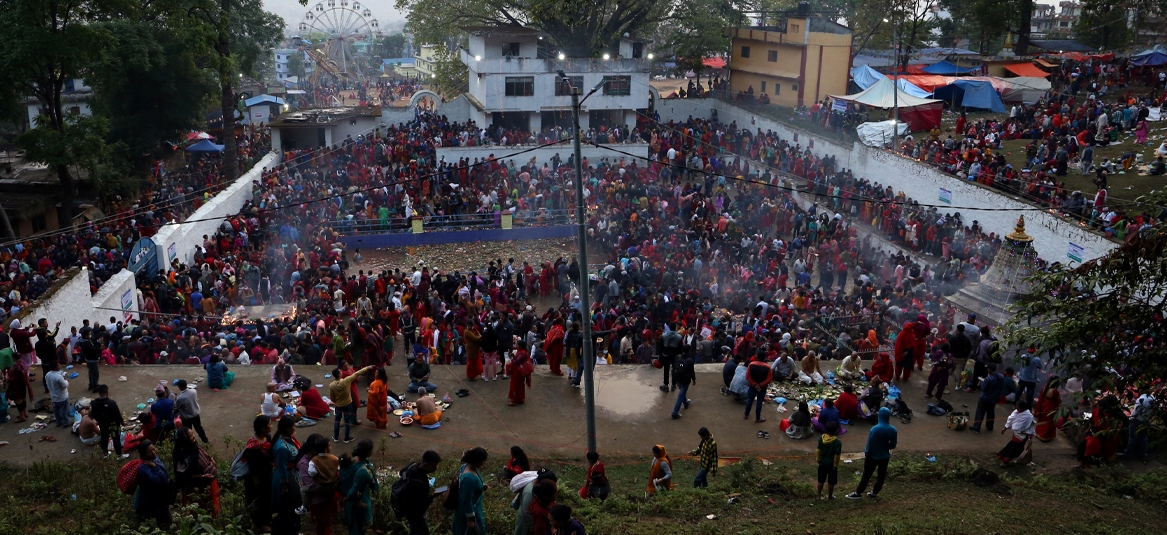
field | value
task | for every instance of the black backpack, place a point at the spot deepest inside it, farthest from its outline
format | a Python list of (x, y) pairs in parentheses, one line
[(403, 494)]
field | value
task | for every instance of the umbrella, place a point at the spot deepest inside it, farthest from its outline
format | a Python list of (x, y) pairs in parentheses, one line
[(198, 135)]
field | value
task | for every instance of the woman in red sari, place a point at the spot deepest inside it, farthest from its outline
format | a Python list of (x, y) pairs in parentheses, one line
[(1045, 409), (521, 369), (554, 346)]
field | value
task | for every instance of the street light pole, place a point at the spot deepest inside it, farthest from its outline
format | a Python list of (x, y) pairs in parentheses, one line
[(585, 295), (895, 86)]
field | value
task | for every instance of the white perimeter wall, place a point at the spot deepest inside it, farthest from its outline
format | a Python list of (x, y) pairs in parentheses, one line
[(179, 240), (543, 155), (995, 211)]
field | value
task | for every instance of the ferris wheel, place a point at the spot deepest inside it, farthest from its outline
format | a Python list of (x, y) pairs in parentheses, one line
[(345, 23)]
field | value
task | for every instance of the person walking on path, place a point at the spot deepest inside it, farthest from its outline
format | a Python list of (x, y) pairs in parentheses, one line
[(91, 353), (683, 376), (417, 494), (660, 474), (109, 419), (470, 516), (1140, 416), (706, 454), (991, 390), (758, 375), (340, 390), (19, 389), (187, 405), (880, 441)]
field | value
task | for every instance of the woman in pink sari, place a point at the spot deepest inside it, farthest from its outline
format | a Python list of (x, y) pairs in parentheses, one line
[(1141, 132)]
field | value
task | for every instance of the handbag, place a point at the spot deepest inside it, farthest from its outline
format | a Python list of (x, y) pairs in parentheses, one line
[(450, 501)]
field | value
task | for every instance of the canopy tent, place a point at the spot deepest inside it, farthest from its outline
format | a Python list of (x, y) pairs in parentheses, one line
[(865, 77), (1026, 69), (971, 94), (263, 99), (928, 82), (879, 134), (917, 68), (715, 62), (1150, 58), (948, 68), (1025, 89), (919, 113), (205, 146)]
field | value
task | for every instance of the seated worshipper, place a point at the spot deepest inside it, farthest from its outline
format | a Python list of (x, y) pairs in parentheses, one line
[(1022, 423), (312, 405), (419, 375), (851, 368), (217, 375), (799, 424), (283, 375), (727, 371), (809, 371), (88, 430), (517, 465), (426, 412), (271, 406), (848, 405), (829, 414), (784, 368), (739, 387), (882, 368), (872, 399)]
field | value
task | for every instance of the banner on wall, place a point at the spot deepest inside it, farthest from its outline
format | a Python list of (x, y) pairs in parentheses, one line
[(172, 252), (945, 196), (127, 305), (1076, 252), (839, 105)]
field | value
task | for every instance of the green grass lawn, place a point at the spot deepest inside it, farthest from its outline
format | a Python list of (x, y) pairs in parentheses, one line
[(767, 497)]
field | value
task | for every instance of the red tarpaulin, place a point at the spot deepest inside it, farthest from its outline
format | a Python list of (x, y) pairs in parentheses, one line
[(1026, 69), (923, 117), (714, 62)]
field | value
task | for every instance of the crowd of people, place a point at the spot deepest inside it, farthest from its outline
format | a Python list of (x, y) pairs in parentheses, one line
[(726, 245), (1083, 111)]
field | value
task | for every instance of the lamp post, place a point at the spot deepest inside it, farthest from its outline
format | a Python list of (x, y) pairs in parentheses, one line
[(895, 85), (585, 295)]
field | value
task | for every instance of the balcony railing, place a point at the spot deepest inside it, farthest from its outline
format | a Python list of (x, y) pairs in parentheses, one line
[(543, 66)]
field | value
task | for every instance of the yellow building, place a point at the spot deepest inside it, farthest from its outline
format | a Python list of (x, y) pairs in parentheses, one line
[(426, 58), (796, 63)]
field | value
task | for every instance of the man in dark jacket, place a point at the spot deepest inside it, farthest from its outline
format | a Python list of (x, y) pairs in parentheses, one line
[(416, 496), (683, 375), (108, 416), (671, 343)]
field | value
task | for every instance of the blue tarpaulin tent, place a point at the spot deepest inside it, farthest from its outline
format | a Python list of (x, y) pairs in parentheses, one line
[(205, 146), (947, 68), (971, 94), (1150, 58), (865, 77)]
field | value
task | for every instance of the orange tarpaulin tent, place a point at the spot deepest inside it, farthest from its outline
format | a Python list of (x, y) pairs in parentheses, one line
[(1026, 69)]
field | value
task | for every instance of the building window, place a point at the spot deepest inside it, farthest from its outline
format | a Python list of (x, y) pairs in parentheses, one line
[(520, 86), (38, 223), (510, 49), (763, 86), (777, 88), (75, 111), (561, 89), (793, 28), (618, 85), (745, 51), (637, 50), (794, 87), (772, 56)]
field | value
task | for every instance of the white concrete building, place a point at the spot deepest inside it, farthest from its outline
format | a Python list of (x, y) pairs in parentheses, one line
[(281, 60), (510, 85), (74, 101)]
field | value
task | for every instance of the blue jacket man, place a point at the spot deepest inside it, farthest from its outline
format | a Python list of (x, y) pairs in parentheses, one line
[(880, 442)]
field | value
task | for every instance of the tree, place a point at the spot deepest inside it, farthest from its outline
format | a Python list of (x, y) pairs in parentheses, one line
[(296, 64), (391, 46), (695, 31), (580, 28), (451, 76), (51, 43), (1104, 317), (148, 86), (1103, 24)]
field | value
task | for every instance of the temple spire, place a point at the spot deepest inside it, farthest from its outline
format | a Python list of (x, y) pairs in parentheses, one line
[(1018, 233)]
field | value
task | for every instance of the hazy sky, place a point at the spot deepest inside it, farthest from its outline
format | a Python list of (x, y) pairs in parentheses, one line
[(293, 12)]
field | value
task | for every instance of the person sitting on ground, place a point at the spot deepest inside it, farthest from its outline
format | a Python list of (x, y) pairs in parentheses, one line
[(851, 368), (88, 429), (312, 404), (784, 368), (217, 377), (847, 404), (740, 385), (426, 411), (799, 423), (809, 371), (419, 375), (872, 400), (271, 406), (283, 375), (882, 368), (829, 414), (517, 465)]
